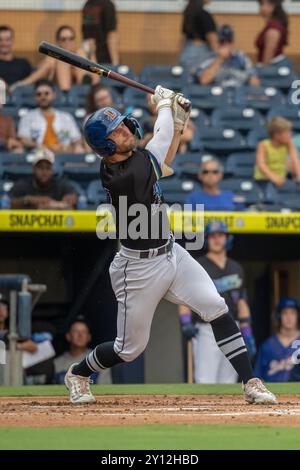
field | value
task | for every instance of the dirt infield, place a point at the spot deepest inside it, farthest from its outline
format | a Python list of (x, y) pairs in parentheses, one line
[(154, 409)]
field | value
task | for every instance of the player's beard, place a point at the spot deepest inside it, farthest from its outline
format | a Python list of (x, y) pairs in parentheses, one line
[(127, 147)]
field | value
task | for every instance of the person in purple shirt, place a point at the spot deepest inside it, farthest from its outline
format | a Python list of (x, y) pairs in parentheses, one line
[(275, 358), (213, 198)]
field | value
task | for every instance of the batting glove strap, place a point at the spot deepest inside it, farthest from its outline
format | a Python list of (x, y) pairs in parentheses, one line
[(181, 111), (189, 330)]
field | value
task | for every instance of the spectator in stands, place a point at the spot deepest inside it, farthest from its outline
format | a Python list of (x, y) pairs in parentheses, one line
[(213, 198), (273, 38), (79, 338), (210, 365), (278, 155), (227, 67), (274, 361), (8, 135), (64, 75), (48, 127), (148, 126), (199, 34), (98, 97), (99, 30), (12, 69), (44, 190)]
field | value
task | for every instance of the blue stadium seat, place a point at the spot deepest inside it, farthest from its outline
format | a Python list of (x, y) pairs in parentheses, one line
[(246, 190), (287, 196), (241, 165), (292, 113), (218, 141), (255, 136), (15, 166), (188, 164), (134, 97), (138, 113), (81, 168), (261, 98), (207, 98), (95, 193), (173, 77), (121, 69), (277, 75), (199, 118), (23, 97), (242, 119), (77, 96), (176, 190)]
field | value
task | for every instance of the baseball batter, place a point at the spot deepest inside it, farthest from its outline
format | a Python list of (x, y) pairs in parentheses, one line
[(150, 265)]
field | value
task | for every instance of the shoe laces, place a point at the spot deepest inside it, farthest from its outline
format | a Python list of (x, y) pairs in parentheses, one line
[(82, 385)]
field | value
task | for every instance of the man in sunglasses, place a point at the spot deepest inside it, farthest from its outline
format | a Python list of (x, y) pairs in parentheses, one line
[(213, 198), (48, 127)]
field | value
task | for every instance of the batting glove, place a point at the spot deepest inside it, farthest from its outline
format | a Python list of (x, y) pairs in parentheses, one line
[(163, 97), (189, 330), (181, 111)]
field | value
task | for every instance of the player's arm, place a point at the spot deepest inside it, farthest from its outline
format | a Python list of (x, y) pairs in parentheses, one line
[(167, 131), (181, 111)]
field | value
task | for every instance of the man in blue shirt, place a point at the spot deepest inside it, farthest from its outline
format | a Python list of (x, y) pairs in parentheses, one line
[(228, 67), (274, 361), (213, 198)]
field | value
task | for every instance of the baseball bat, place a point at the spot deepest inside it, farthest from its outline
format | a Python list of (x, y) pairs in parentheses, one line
[(78, 61), (190, 365)]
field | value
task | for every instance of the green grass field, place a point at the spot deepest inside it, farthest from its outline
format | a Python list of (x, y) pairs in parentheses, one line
[(152, 436)]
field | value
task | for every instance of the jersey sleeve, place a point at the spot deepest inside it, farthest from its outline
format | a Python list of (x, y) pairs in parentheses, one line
[(163, 133)]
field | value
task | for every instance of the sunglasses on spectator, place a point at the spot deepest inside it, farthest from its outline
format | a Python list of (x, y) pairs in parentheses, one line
[(42, 93), (67, 38), (214, 172)]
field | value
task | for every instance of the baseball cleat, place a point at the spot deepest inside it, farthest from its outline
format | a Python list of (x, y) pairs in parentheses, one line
[(79, 387), (256, 392)]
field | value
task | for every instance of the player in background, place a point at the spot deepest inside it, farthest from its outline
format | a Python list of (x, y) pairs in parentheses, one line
[(210, 365), (151, 267), (274, 361)]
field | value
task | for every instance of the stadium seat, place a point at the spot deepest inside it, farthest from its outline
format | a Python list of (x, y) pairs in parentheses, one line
[(255, 136), (221, 142), (246, 190), (81, 168), (176, 190), (241, 165), (15, 166), (5, 186), (138, 113), (261, 98), (241, 119), (188, 164), (207, 98), (173, 77), (292, 113), (23, 97), (287, 196), (121, 69), (279, 76), (95, 193), (134, 97), (77, 96), (199, 118)]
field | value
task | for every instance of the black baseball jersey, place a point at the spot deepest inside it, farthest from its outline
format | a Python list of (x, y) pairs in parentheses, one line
[(230, 281), (137, 179)]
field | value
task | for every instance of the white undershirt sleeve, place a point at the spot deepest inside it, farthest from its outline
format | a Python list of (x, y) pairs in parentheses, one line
[(162, 135)]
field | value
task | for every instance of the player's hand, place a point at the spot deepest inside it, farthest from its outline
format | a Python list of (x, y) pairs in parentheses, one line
[(181, 111), (278, 180), (189, 330), (163, 97)]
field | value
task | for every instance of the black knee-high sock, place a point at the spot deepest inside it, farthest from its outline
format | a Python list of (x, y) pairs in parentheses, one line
[(102, 357), (230, 341)]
